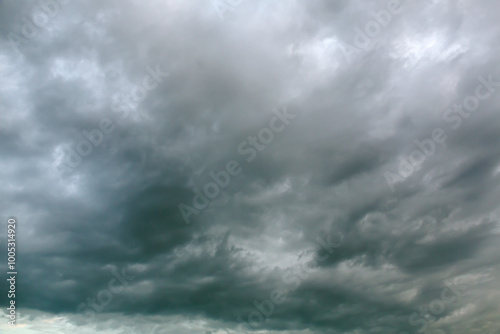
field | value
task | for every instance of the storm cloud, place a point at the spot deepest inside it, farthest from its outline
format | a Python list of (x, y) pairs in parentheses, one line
[(301, 167)]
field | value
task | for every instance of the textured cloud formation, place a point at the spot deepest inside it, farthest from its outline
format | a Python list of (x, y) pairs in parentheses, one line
[(364, 135)]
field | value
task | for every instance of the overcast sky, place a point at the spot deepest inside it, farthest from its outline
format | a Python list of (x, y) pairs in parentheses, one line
[(294, 166)]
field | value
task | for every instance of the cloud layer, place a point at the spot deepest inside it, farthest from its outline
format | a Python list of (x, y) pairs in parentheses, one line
[(117, 116)]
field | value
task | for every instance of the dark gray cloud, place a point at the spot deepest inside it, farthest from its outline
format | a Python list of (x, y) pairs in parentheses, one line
[(156, 98)]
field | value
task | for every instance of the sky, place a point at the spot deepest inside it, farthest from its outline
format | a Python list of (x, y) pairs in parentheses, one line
[(236, 166)]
